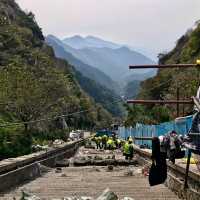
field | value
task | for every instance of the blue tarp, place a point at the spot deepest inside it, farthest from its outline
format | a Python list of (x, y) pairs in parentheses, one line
[(180, 125)]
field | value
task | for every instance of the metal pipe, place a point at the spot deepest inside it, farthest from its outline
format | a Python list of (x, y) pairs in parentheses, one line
[(187, 169), (160, 102), (163, 66)]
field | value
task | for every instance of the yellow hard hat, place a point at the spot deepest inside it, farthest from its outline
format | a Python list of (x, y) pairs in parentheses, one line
[(198, 61), (130, 140)]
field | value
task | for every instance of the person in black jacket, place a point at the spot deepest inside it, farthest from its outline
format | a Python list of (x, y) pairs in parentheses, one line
[(158, 171)]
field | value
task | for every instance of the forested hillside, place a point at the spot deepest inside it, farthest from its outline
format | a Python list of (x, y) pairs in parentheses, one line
[(164, 85), (38, 92)]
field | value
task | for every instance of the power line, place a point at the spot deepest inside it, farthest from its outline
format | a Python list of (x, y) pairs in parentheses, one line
[(8, 124)]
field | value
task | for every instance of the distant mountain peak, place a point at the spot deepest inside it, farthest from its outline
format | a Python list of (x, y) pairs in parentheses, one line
[(74, 38), (79, 42), (91, 37), (77, 37)]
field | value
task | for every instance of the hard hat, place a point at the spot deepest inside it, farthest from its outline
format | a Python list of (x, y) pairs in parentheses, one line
[(130, 140), (198, 61)]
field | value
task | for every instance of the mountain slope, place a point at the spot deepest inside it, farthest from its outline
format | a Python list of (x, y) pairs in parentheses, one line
[(86, 70), (131, 89), (113, 62), (107, 98), (38, 84), (165, 83)]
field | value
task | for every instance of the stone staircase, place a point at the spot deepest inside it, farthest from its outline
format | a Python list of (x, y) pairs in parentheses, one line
[(91, 182)]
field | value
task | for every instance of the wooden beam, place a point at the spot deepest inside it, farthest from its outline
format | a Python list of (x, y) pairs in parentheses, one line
[(143, 138), (160, 102), (163, 66)]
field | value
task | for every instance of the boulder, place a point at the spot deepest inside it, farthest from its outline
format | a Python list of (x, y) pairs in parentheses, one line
[(107, 195)]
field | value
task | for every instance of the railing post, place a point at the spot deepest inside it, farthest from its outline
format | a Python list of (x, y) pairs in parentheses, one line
[(187, 168)]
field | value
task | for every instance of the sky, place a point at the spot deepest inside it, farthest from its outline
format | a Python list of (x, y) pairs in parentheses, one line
[(151, 26)]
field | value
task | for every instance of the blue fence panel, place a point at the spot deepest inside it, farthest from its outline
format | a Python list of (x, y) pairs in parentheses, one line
[(180, 125)]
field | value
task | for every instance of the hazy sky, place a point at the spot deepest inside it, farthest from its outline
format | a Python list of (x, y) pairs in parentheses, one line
[(152, 25)]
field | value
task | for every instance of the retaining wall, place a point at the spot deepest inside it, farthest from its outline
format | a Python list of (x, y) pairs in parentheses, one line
[(26, 168), (176, 176)]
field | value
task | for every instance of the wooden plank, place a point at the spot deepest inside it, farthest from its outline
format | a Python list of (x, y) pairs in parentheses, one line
[(143, 138)]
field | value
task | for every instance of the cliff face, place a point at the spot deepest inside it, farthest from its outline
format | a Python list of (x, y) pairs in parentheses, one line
[(35, 84)]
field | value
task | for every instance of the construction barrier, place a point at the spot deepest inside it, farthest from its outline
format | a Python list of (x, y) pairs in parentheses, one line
[(180, 125)]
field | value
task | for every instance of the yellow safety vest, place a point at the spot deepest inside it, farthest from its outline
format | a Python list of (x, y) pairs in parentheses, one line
[(110, 142), (126, 148)]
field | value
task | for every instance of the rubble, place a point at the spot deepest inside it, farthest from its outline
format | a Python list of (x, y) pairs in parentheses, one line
[(58, 170), (110, 167), (107, 195), (58, 142)]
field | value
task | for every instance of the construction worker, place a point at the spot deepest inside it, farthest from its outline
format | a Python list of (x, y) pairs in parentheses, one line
[(128, 149), (98, 142), (110, 143), (118, 143), (104, 141), (130, 139)]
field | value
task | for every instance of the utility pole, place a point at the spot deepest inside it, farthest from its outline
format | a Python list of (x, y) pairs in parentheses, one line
[(177, 105)]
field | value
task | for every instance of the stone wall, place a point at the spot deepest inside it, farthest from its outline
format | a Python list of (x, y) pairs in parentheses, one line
[(176, 176)]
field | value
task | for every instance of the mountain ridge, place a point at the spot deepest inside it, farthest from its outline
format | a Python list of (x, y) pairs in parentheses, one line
[(113, 62), (86, 70), (86, 78), (79, 42)]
